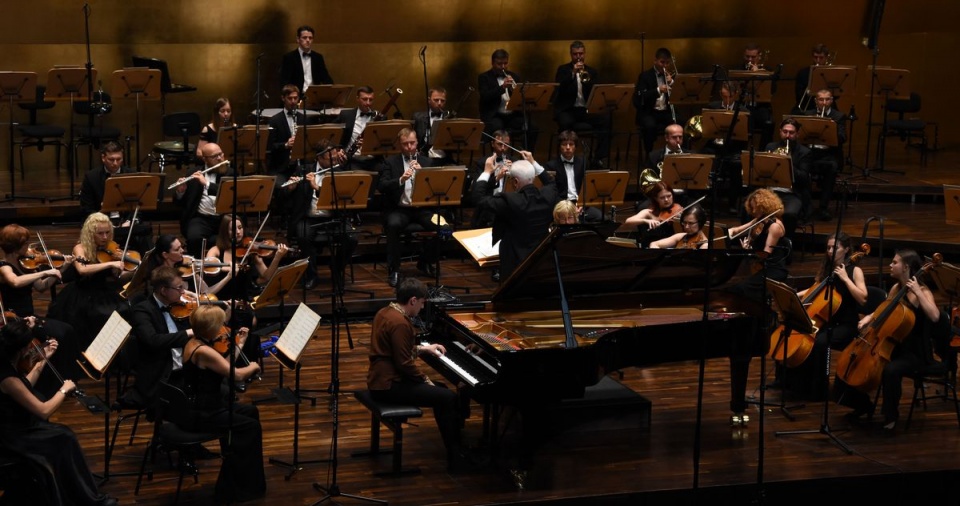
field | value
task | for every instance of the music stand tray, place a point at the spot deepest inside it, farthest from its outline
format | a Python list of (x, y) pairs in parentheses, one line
[(253, 194), (126, 192), (816, 130), (140, 83), (769, 169), (535, 96), (757, 81), (690, 89), (716, 122), (313, 134), (380, 137), (353, 189), (280, 284), (327, 95), (951, 200), (839, 79), (438, 186), (687, 171), (891, 83), (793, 314), (457, 135), (603, 188), (607, 97), (68, 83), (246, 141)]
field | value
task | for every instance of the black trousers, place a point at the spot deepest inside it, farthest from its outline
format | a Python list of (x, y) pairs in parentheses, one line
[(200, 227), (241, 473), (396, 221), (445, 404)]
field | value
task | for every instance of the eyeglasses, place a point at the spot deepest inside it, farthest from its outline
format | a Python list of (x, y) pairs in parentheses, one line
[(180, 288)]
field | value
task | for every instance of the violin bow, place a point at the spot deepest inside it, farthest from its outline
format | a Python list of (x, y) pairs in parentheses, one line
[(43, 246), (761, 220), (126, 244), (674, 215), (255, 236)]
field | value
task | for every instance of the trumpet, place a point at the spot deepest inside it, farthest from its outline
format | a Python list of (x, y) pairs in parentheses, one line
[(783, 150), (183, 180), (764, 56), (583, 73), (506, 77)]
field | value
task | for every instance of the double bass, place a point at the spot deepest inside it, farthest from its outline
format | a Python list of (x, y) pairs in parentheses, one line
[(862, 361), (799, 345)]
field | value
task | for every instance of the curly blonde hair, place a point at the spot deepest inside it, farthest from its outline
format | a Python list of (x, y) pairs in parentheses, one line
[(88, 235), (763, 202)]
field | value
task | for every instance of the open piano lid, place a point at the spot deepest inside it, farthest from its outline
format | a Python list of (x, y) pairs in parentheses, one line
[(592, 266)]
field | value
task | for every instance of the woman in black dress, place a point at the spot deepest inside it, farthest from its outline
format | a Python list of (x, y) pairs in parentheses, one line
[(204, 369), (64, 475), (222, 117)]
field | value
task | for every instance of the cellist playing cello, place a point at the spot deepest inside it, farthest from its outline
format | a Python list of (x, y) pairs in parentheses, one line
[(913, 352)]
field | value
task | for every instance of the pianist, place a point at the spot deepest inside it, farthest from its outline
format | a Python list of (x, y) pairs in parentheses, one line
[(394, 375)]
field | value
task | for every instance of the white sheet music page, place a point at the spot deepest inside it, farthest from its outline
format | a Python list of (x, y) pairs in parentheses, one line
[(482, 245), (105, 346), (298, 331)]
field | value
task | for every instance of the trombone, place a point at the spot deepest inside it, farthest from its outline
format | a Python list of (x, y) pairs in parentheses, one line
[(807, 96)]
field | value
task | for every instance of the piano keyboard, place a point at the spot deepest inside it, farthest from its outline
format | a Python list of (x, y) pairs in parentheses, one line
[(469, 367)]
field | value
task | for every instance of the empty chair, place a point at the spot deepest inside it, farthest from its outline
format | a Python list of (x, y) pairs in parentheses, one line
[(38, 135), (908, 128), (92, 136)]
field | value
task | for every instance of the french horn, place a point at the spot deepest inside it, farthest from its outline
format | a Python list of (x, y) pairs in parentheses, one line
[(649, 177), (694, 127)]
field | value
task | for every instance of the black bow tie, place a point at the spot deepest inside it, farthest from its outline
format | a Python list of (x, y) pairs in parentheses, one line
[(305, 55), (291, 113), (436, 115), (164, 309), (567, 162), (367, 114)]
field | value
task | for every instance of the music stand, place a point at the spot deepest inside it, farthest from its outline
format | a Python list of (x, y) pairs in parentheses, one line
[(245, 140), (759, 82), (816, 130), (323, 96), (17, 87), (892, 84), (253, 194), (951, 200), (794, 318), (769, 170), (839, 79), (716, 124), (690, 89), (603, 187), (530, 97), (308, 136), (379, 137), (946, 277), (349, 191), (134, 82), (70, 84), (457, 135), (687, 171), (131, 193), (438, 187)]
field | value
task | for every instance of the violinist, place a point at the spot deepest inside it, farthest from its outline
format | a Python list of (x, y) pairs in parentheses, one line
[(16, 292), (197, 196), (241, 442), (661, 208), (565, 213), (914, 352), (692, 220), (89, 301), (159, 337), (168, 251), (850, 288), (25, 428), (763, 234)]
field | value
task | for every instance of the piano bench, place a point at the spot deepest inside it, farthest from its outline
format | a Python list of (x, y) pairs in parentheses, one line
[(393, 416)]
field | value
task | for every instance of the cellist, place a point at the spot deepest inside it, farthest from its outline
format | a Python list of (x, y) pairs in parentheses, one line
[(808, 380), (912, 353)]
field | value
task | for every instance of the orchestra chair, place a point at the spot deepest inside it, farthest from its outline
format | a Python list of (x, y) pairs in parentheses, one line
[(182, 126), (19, 478), (393, 416), (36, 135), (910, 128), (413, 233), (129, 403), (170, 437), (942, 372), (92, 137), (166, 85)]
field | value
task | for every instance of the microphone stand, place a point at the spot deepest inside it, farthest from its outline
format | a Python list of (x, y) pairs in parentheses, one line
[(426, 92), (259, 92), (89, 66)]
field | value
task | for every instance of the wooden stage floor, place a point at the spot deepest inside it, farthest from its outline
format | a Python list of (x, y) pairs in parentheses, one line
[(646, 465)]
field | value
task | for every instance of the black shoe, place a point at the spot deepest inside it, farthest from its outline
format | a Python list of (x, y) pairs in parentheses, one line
[(393, 278), (856, 416), (426, 268), (495, 275), (240, 386), (310, 284)]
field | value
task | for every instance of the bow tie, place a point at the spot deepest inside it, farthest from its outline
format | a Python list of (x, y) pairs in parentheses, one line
[(367, 114), (436, 115), (305, 55), (164, 309), (566, 162), (291, 113)]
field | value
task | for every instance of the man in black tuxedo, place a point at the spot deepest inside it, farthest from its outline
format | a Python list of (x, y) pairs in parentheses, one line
[(197, 196), (796, 200), (761, 113), (570, 101), (523, 216), (91, 198), (651, 98), (570, 170), (819, 55), (423, 123), (495, 87), (732, 169), (304, 67), (826, 161), (354, 121), (396, 185), (283, 129), (673, 134), (159, 338)]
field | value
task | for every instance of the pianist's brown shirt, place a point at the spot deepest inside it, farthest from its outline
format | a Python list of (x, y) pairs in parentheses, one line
[(392, 356)]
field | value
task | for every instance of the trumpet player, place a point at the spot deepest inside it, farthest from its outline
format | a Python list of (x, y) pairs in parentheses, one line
[(574, 81), (818, 54), (651, 98), (283, 134), (761, 113), (495, 87), (825, 161), (397, 177), (796, 200)]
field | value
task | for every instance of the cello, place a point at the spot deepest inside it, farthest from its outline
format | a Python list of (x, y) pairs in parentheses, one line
[(862, 361), (798, 344)]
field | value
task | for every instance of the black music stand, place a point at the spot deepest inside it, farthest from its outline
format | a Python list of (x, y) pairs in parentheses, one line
[(70, 84), (604, 188), (769, 170), (16, 87), (530, 97), (885, 83), (457, 135), (607, 99), (325, 96), (131, 193), (239, 143), (946, 277), (438, 187), (379, 137), (137, 83), (951, 200), (166, 85), (253, 194), (794, 318), (687, 171)]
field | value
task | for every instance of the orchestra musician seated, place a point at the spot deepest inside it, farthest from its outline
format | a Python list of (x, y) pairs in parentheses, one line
[(826, 161), (661, 209), (197, 196), (570, 171), (423, 123), (692, 219), (355, 121), (565, 213)]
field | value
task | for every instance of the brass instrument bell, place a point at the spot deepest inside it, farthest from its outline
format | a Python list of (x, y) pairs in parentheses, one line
[(649, 177), (694, 127)]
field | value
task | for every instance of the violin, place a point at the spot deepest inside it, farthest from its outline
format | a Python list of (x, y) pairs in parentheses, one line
[(264, 249), (188, 303), (819, 309), (862, 361), (211, 266), (35, 355), (221, 344), (36, 259), (112, 252)]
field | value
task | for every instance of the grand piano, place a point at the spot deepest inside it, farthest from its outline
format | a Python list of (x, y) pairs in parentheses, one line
[(627, 307)]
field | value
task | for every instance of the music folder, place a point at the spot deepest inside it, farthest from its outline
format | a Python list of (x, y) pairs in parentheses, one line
[(479, 243), (295, 336), (103, 350)]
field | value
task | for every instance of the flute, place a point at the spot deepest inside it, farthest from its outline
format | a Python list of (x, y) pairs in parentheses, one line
[(208, 169), (293, 181)]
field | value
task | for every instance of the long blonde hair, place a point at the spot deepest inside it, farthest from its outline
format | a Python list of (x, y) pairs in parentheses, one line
[(88, 235)]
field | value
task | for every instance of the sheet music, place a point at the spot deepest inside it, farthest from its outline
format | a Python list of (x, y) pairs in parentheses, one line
[(481, 245), (105, 346), (298, 332)]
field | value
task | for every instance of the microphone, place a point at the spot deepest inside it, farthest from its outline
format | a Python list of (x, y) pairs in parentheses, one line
[(423, 50)]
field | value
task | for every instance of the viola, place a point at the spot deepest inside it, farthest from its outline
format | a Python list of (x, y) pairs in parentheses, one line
[(221, 344), (188, 303), (112, 252), (862, 361), (35, 355), (819, 309), (264, 249), (36, 259)]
